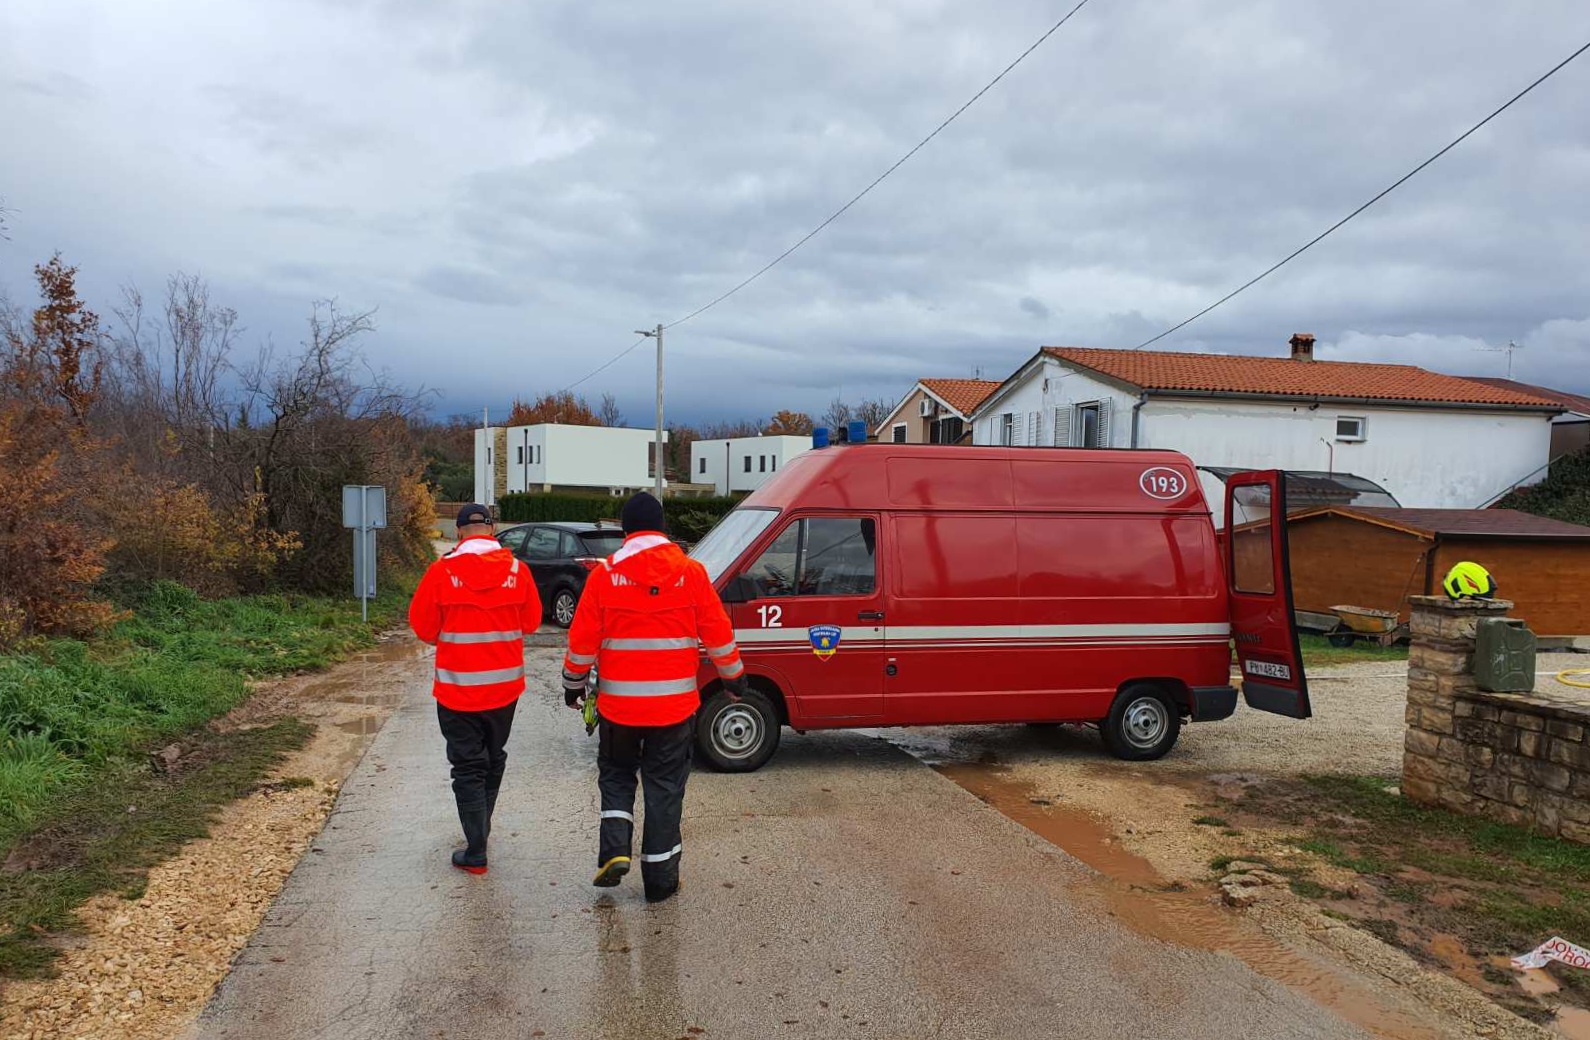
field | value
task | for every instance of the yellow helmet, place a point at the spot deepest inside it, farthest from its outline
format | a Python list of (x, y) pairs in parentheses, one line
[(1469, 580)]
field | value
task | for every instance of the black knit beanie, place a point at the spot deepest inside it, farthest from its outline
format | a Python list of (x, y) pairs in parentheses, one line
[(642, 513)]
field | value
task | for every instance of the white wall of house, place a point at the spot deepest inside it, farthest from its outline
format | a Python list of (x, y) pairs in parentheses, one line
[(598, 457), (1042, 409), (483, 466), (742, 464), (1425, 457)]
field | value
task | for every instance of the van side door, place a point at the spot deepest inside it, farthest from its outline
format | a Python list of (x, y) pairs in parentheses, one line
[(1259, 584), (813, 615)]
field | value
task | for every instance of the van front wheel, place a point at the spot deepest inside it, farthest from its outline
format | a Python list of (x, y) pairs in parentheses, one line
[(737, 736), (1143, 724)]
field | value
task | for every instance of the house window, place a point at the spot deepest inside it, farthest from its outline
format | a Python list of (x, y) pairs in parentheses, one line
[(703, 468), (519, 461), (763, 467), (775, 463), (1007, 428), (748, 463), (899, 433), (1088, 425), (1350, 428)]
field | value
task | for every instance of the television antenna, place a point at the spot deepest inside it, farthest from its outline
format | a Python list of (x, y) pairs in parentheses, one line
[(1509, 349)]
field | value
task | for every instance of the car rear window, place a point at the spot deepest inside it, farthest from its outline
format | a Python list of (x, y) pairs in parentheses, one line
[(602, 543)]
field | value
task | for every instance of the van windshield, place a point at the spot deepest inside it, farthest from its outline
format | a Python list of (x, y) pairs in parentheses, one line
[(725, 542)]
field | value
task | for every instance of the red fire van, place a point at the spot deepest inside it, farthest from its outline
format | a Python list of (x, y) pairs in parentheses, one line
[(921, 585)]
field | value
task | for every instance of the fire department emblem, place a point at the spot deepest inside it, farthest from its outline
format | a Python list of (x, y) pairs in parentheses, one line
[(825, 640)]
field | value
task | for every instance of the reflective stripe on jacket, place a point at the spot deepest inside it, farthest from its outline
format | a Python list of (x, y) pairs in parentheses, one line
[(643, 620), (476, 604)]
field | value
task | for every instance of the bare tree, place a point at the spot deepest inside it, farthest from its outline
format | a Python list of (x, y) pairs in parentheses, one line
[(838, 415), (4, 230), (609, 413)]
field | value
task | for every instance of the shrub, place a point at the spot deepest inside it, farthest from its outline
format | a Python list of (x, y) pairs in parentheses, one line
[(689, 519), (165, 530), (1563, 495)]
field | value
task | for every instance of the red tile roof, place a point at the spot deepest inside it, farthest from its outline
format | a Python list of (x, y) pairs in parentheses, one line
[(1283, 377), (963, 395), (1468, 523), (1572, 402)]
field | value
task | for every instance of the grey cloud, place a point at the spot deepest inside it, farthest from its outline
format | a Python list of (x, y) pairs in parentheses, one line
[(587, 169), (469, 285)]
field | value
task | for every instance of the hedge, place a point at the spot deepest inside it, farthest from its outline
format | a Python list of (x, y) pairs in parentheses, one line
[(689, 519), (1563, 495)]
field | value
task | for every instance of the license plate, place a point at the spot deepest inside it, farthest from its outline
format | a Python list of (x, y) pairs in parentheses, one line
[(1268, 670)]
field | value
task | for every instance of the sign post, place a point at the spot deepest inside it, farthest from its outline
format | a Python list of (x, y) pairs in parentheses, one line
[(364, 511)]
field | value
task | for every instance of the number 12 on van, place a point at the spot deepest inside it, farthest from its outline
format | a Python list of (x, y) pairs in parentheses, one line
[(1268, 670)]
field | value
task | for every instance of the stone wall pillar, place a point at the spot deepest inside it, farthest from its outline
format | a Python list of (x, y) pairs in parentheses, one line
[(1437, 767), (499, 476)]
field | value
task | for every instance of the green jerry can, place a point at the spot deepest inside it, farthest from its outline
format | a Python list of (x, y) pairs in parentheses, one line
[(1504, 656)]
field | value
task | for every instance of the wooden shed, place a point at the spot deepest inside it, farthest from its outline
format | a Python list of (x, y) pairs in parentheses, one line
[(1372, 557)]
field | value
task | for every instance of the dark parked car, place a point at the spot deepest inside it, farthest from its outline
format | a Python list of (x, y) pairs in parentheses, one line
[(560, 555)]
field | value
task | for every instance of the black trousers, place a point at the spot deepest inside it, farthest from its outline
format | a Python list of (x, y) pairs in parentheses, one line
[(662, 756), (475, 747)]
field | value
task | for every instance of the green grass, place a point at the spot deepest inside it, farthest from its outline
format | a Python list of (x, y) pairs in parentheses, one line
[(104, 837), (79, 719), (1500, 888), (1211, 821), (69, 709), (1318, 653)]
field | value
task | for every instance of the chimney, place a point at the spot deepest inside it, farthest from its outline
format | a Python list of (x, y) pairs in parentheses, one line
[(1302, 344)]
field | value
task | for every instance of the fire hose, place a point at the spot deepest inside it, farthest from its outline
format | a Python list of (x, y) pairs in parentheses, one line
[(1576, 677)]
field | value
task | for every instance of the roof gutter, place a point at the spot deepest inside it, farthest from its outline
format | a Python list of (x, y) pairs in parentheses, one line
[(1137, 409), (1367, 402)]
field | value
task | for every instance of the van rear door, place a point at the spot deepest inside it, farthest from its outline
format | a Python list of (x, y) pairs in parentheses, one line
[(1259, 579)]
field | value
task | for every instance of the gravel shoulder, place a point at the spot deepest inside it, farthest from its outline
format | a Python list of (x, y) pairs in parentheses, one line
[(141, 969)]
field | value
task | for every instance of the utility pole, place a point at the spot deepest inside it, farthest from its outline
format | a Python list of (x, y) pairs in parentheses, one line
[(657, 334)]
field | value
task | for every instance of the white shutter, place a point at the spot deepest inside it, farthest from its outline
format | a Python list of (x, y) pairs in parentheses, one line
[(1016, 428), (1062, 427), (1035, 433), (1104, 422)]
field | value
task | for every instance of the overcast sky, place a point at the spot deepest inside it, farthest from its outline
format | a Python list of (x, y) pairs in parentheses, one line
[(516, 186)]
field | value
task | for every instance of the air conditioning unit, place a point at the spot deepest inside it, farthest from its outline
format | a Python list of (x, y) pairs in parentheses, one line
[(929, 408)]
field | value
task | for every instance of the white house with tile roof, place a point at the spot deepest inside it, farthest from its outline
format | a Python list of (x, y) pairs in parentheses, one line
[(1431, 440)]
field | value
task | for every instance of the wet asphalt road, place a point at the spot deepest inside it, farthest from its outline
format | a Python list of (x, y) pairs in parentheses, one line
[(845, 890)]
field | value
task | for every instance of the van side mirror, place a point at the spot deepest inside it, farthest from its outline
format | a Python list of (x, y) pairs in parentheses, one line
[(740, 589)]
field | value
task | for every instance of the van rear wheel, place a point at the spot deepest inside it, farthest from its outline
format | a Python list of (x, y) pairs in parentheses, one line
[(1143, 724), (737, 737)]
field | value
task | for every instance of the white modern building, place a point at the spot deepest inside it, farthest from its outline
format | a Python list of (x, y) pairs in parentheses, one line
[(551, 456), (1431, 440), (742, 464)]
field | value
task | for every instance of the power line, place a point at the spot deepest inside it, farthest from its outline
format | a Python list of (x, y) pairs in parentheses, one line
[(615, 359), (1397, 184), (884, 175), (813, 233)]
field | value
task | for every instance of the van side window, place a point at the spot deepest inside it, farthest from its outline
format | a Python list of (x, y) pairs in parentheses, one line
[(821, 556)]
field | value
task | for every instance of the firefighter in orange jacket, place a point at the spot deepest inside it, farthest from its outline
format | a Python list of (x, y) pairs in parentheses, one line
[(643, 619), (476, 605)]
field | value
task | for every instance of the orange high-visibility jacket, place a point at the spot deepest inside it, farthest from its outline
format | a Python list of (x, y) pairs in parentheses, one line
[(643, 619), (476, 604)]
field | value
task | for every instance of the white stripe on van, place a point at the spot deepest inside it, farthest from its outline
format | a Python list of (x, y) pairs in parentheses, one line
[(946, 634)]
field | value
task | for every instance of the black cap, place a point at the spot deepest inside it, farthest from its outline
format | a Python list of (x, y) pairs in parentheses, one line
[(642, 513), (474, 513)]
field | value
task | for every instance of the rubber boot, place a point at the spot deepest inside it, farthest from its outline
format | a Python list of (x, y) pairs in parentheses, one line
[(491, 808), (661, 879), (472, 858)]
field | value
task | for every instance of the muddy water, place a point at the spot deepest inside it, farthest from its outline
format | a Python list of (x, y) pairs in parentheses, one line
[(1571, 1022), (356, 698), (1133, 892)]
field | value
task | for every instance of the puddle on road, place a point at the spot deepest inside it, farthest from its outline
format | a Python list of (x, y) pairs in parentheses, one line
[(1135, 894)]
